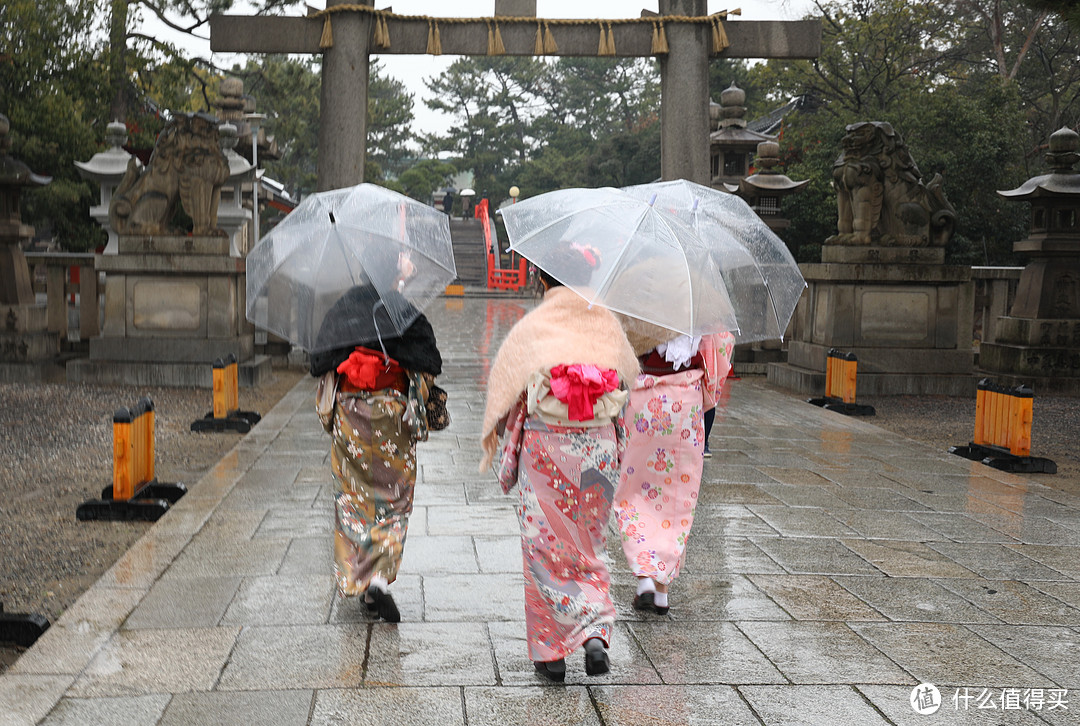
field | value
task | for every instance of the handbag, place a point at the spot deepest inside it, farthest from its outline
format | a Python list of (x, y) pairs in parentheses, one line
[(437, 415), (506, 468)]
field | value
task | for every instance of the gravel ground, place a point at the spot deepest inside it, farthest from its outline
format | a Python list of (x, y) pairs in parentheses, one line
[(56, 450), (944, 421)]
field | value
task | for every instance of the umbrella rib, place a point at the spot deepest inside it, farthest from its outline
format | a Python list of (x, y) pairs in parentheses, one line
[(618, 258), (764, 279), (516, 246), (689, 277)]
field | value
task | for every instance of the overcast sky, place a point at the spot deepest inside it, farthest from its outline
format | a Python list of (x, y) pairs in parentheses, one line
[(411, 70)]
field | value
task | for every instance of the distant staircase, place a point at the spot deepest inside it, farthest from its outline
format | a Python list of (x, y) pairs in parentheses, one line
[(467, 237)]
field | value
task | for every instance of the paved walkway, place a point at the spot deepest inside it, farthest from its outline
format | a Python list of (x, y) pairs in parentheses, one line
[(832, 568)]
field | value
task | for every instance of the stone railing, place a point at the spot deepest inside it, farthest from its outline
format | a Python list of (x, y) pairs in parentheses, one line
[(995, 291), (55, 274)]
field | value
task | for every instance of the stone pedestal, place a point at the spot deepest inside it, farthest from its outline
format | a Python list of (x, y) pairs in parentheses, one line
[(1042, 353), (173, 304), (27, 348), (908, 324), (1038, 342)]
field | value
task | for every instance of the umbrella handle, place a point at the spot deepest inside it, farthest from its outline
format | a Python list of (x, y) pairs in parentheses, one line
[(378, 333)]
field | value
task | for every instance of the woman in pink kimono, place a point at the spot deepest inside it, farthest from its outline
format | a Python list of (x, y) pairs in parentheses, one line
[(556, 387), (661, 468)]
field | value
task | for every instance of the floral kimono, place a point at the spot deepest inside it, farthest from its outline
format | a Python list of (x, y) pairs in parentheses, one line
[(566, 470), (373, 460), (661, 468), (661, 472), (561, 450)]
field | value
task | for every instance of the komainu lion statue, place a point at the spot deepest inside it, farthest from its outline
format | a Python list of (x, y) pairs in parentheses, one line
[(187, 167), (881, 198)]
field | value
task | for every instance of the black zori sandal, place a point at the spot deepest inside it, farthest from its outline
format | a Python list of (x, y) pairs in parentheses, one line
[(596, 657), (383, 604), (647, 601), (553, 670)]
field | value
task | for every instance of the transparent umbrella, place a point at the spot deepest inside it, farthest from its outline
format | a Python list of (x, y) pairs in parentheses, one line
[(643, 262), (391, 253), (763, 280)]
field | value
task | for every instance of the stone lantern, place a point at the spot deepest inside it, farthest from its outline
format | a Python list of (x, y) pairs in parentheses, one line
[(23, 337), (765, 189), (107, 168), (1038, 342), (232, 215), (731, 145)]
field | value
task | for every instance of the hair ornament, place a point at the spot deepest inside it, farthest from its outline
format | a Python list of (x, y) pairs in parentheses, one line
[(590, 253)]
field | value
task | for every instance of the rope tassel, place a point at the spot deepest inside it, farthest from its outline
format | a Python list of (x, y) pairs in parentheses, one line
[(607, 41), (659, 39), (719, 36), (495, 41), (327, 38), (382, 33), (550, 47), (377, 41), (538, 45), (434, 42)]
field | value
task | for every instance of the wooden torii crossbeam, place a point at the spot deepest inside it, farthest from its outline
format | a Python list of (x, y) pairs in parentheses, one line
[(355, 34)]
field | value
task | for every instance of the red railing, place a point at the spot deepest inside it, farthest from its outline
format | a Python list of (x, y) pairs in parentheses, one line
[(499, 278)]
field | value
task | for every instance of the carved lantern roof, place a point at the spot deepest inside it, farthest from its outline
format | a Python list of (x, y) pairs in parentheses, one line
[(1062, 180), (239, 167), (729, 119), (14, 173), (110, 165), (767, 180)]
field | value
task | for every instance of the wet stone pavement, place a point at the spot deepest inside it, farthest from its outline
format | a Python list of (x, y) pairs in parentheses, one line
[(832, 568)]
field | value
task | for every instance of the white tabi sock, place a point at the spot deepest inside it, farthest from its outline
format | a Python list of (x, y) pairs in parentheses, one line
[(660, 599), (644, 585), (377, 581)]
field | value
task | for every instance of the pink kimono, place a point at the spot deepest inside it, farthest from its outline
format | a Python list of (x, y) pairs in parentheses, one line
[(662, 464)]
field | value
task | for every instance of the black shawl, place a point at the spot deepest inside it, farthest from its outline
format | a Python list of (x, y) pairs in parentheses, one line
[(415, 349)]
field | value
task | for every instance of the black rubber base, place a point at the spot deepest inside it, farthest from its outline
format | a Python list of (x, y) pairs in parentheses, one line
[(1004, 461), (21, 628), (112, 510), (238, 421), (837, 405), (153, 490)]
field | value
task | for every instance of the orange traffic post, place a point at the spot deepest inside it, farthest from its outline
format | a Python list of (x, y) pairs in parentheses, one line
[(220, 405), (232, 378), (1002, 436), (123, 486), (841, 373), (848, 367), (138, 442), (135, 492), (1023, 405), (830, 374), (981, 407), (149, 448), (226, 414)]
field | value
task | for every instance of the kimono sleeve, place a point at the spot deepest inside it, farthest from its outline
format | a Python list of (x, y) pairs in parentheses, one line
[(326, 398)]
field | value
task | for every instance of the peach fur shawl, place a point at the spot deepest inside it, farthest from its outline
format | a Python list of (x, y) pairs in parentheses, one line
[(562, 329)]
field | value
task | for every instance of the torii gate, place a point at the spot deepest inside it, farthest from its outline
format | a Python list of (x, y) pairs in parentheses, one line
[(683, 36)]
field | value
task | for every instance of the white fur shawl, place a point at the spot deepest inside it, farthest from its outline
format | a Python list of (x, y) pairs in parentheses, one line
[(562, 329)]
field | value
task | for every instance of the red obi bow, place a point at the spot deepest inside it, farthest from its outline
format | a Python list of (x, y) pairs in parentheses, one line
[(579, 386), (364, 369)]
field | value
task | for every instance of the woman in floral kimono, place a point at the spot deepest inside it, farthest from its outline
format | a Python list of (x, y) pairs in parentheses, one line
[(373, 399), (661, 468), (556, 386)]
